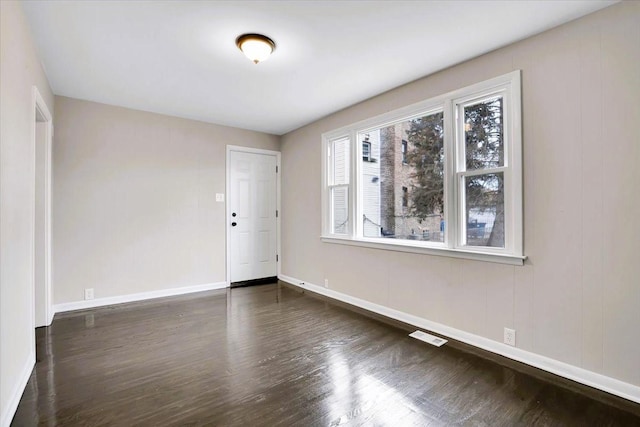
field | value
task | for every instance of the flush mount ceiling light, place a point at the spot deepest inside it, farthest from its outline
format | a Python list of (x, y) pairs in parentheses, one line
[(256, 47)]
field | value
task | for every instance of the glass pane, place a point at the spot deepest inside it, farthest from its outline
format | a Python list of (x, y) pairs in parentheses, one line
[(483, 134), (340, 209), (484, 203), (402, 183), (340, 161)]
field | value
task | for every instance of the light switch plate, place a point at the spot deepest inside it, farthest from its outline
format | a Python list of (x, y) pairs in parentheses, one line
[(219, 197)]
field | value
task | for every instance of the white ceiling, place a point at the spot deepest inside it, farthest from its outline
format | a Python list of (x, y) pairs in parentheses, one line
[(179, 57)]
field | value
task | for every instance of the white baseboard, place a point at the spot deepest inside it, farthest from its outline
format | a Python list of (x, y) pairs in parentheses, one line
[(16, 394), (583, 376), (100, 302)]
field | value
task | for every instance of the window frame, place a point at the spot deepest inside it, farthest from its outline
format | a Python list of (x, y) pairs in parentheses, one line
[(509, 87)]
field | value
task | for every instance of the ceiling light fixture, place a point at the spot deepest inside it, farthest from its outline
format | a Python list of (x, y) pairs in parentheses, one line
[(256, 47)]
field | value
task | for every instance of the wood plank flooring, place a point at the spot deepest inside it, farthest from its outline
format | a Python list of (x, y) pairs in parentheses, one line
[(271, 356)]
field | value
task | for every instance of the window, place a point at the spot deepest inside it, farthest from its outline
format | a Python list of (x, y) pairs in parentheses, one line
[(407, 204), (447, 177), (482, 172), (405, 146), (339, 185), (366, 150)]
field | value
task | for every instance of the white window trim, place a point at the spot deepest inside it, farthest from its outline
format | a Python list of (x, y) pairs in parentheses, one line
[(453, 246)]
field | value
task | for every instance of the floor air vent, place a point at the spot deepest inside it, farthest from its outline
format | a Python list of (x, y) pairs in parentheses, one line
[(431, 339)]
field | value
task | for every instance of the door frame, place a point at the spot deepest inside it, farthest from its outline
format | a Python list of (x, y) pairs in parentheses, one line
[(237, 148), (39, 108)]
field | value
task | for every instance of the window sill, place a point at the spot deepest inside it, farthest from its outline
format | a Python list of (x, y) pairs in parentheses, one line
[(437, 251)]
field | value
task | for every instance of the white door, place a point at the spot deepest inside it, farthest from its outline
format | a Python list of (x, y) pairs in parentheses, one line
[(252, 216)]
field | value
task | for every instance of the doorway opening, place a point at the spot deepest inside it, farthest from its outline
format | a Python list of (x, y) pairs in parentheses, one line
[(42, 144)]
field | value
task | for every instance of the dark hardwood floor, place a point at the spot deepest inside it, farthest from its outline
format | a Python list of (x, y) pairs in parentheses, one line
[(267, 356)]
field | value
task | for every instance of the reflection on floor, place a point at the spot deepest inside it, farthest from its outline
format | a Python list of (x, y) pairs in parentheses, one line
[(268, 355)]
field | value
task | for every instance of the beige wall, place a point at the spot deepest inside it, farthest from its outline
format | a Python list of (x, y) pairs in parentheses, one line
[(577, 298), (20, 70), (134, 205)]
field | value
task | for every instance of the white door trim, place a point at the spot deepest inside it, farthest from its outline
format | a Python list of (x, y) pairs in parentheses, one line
[(39, 107), (227, 227)]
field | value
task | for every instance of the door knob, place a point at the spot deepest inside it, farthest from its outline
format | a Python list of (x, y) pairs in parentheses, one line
[(233, 214), (233, 224)]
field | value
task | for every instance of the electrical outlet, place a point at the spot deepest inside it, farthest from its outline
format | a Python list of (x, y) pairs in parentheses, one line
[(88, 293), (510, 337), (326, 283), (219, 197)]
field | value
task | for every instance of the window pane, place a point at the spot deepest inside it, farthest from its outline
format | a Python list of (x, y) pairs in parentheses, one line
[(340, 161), (340, 209), (484, 203), (483, 134), (403, 187)]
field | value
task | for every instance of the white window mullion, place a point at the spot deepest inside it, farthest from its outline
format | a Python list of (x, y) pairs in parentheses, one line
[(461, 205), (356, 187), (451, 187), (326, 209), (459, 162)]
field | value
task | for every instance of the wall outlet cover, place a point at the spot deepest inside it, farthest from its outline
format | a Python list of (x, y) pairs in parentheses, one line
[(510, 337)]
